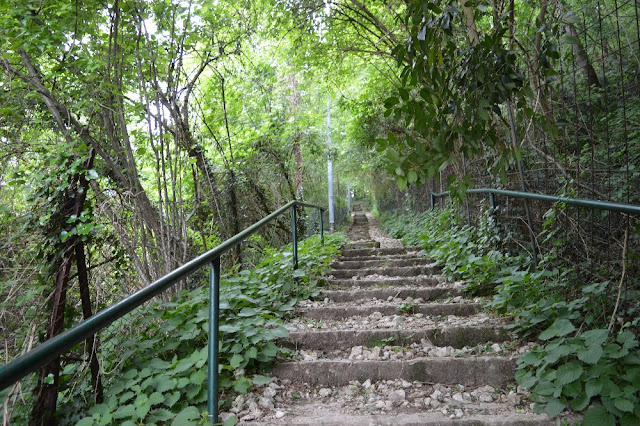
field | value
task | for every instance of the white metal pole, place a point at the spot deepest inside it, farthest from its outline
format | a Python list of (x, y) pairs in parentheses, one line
[(330, 167)]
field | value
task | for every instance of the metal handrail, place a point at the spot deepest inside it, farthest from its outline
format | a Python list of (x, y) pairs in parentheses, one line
[(579, 202), (56, 346)]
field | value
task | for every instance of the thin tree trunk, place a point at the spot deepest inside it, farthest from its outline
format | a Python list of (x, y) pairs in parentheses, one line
[(542, 98), (85, 299), (44, 409), (582, 58), (472, 29)]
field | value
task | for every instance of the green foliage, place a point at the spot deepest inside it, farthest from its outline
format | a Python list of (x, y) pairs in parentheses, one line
[(464, 252), (584, 368), (577, 371), (406, 308), (454, 93), (160, 373)]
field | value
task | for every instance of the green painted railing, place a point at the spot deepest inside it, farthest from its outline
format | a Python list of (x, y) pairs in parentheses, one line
[(52, 348), (578, 202)]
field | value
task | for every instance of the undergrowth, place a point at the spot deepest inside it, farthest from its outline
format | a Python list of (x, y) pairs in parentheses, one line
[(584, 361), (158, 374)]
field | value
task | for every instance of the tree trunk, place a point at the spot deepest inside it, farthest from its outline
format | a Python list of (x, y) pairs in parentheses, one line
[(582, 58), (85, 299), (44, 409), (537, 81), (472, 29)]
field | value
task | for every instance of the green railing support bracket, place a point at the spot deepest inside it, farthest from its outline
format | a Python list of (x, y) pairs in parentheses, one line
[(433, 201), (214, 337), (492, 201)]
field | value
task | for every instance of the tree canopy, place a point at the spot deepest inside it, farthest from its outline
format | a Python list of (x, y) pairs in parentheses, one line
[(136, 134)]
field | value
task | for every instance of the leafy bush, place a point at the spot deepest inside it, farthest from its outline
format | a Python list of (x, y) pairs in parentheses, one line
[(581, 369), (159, 375), (588, 369)]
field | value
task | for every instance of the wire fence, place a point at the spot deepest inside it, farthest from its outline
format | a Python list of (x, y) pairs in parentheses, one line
[(595, 154)]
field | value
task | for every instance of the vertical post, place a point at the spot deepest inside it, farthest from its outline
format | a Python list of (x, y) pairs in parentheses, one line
[(214, 345), (321, 228), (433, 201), (492, 201), (330, 167), (294, 236), (349, 197)]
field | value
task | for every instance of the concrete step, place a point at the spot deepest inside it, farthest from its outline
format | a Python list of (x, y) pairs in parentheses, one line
[(456, 337), (400, 271), (494, 371), (432, 293), (378, 251), (427, 281), (337, 417), (339, 312), (380, 263), (363, 244), (413, 255)]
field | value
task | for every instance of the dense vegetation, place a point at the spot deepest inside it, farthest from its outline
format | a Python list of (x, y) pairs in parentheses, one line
[(154, 360), (137, 134), (588, 350)]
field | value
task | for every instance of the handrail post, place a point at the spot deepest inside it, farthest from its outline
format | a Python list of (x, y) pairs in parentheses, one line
[(433, 201), (294, 236), (214, 344), (321, 228), (492, 201)]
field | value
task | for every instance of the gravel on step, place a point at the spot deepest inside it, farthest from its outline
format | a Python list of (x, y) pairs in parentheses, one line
[(405, 322), (415, 350), (379, 235), (279, 399), (393, 301)]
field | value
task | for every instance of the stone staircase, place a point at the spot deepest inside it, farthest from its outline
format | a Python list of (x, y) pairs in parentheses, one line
[(392, 342)]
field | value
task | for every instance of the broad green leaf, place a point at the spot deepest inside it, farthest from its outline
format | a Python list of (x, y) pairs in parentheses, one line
[(623, 404), (188, 416), (568, 373), (198, 377), (164, 384), (125, 411), (545, 388), (598, 415), (160, 415), (171, 399), (580, 403), (261, 380), (560, 327), (593, 387), (627, 339), (236, 360), (183, 365), (87, 421), (554, 407), (156, 398), (591, 354), (241, 385), (595, 337), (247, 312), (402, 182), (525, 378)]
